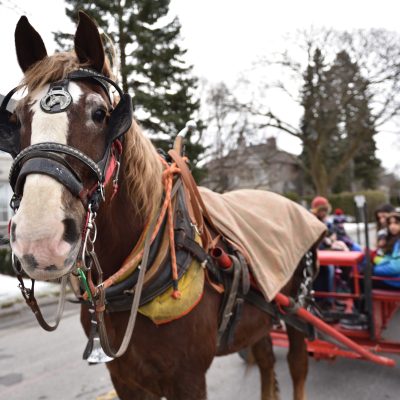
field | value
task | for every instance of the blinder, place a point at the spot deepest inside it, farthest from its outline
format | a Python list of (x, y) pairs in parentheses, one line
[(121, 116), (49, 158)]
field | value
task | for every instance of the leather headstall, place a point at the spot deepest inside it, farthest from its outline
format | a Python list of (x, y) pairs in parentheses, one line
[(48, 158)]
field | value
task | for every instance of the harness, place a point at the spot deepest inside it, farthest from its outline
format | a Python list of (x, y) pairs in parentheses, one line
[(50, 159), (182, 217)]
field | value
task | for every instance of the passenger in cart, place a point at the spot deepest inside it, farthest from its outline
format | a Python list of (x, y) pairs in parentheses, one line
[(381, 214), (388, 265)]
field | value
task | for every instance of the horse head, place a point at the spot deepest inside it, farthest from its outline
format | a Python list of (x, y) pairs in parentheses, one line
[(65, 135)]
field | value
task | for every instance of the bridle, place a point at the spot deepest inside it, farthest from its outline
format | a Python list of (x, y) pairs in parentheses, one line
[(49, 158)]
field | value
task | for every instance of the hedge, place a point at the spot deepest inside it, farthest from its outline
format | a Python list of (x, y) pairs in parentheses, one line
[(5, 262), (345, 201)]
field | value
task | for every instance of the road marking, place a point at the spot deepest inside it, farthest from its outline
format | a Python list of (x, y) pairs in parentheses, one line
[(109, 396)]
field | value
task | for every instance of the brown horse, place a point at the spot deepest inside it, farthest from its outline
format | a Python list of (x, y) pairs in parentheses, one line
[(168, 360)]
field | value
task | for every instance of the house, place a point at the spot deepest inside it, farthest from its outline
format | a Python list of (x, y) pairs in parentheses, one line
[(262, 166), (5, 192)]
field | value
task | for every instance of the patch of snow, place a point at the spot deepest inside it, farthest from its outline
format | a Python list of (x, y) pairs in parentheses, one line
[(10, 292)]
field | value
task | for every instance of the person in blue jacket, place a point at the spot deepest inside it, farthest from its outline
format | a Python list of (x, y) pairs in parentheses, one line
[(388, 265)]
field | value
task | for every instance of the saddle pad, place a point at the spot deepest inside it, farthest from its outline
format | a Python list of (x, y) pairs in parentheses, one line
[(164, 308), (272, 232)]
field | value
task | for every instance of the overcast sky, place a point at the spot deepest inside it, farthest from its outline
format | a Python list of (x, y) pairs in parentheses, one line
[(223, 37)]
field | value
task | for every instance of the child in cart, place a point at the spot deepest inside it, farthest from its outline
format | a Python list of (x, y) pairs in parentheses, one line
[(341, 235), (388, 264), (381, 214)]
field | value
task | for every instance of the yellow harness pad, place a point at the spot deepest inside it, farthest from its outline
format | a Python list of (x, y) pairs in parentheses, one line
[(164, 308)]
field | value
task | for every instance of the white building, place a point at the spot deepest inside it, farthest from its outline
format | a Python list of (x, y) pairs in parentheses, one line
[(5, 189), (5, 192)]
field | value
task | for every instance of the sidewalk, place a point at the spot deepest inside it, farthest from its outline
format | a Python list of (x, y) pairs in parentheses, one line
[(11, 299)]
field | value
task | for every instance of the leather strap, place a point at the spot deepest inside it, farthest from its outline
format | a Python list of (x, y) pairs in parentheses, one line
[(185, 242), (231, 300), (196, 200), (105, 343), (55, 148), (56, 170), (29, 296)]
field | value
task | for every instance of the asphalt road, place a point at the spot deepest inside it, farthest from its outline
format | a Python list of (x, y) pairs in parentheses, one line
[(37, 365)]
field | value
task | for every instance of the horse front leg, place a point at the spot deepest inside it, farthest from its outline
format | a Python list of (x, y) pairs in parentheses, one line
[(298, 362), (126, 392), (265, 359), (188, 386)]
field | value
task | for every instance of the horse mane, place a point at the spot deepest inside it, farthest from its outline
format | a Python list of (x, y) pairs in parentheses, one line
[(142, 171), (142, 168)]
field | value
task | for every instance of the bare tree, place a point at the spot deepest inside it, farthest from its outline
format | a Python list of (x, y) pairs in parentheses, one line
[(377, 54)]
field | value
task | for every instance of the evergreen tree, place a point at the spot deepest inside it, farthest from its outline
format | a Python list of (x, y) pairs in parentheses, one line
[(354, 120), (318, 123), (151, 64), (337, 126)]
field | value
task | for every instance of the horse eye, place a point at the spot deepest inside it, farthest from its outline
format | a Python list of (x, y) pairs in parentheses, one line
[(15, 119), (99, 115)]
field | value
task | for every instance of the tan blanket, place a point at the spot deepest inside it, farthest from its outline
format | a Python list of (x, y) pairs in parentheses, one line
[(272, 232)]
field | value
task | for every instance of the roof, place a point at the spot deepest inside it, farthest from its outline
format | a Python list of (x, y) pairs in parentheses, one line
[(267, 153)]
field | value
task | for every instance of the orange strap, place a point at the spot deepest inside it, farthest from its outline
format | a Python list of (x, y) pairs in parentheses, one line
[(196, 200), (128, 265), (179, 166)]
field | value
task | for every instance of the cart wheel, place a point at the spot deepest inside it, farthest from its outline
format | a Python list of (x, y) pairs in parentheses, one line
[(246, 355)]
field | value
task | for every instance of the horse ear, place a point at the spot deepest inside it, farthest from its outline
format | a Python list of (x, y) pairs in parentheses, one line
[(88, 44), (28, 44)]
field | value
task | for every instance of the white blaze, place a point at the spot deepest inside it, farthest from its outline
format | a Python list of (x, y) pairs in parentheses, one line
[(39, 218)]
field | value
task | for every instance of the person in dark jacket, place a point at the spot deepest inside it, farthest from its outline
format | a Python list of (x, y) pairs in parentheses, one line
[(339, 220), (320, 208)]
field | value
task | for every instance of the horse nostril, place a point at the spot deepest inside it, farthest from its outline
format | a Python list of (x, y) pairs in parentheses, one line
[(71, 234), (30, 260)]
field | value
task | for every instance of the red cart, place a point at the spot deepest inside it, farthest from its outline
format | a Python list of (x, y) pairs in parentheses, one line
[(333, 339)]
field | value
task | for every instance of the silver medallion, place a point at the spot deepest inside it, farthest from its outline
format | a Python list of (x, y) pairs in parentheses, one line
[(56, 100)]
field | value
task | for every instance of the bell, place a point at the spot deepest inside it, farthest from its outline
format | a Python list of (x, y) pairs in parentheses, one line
[(97, 355), (94, 353)]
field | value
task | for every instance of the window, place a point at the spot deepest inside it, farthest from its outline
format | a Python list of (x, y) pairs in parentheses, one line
[(5, 210)]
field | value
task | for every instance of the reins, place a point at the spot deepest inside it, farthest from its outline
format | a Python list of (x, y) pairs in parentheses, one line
[(29, 297), (96, 292), (105, 343)]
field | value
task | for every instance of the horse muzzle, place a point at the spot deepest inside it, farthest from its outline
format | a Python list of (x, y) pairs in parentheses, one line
[(45, 254)]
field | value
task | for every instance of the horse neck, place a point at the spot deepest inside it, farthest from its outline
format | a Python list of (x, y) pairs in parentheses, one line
[(120, 224)]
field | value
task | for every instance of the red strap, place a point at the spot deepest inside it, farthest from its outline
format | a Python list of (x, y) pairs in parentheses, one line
[(116, 148), (110, 168)]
